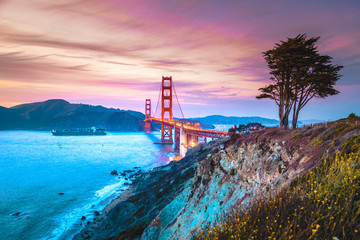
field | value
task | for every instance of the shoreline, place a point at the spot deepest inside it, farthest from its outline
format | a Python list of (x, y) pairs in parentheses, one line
[(177, 200), (128, 210), (54, 180), (76, 220)]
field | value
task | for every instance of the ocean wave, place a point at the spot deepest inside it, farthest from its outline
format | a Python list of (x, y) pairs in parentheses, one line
[(108, 190), (67, 221)]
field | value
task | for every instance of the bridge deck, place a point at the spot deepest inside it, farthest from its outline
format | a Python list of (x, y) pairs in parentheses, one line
[(190, 129)]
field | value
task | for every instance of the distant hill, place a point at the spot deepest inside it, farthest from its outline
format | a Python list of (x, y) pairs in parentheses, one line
[(58, 114), (311, 121), (218, 119), (11, 119)]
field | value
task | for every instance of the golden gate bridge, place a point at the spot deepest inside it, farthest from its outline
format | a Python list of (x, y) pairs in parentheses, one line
[(186, 134)]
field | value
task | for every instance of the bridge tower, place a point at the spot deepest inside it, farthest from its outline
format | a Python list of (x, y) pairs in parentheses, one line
[(147, 126), (166, 109)]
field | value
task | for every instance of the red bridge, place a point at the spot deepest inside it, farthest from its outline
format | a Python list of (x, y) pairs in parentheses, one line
[(186, 133)]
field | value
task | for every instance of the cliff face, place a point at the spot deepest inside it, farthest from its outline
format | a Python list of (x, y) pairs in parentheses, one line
[(177, 200), (228, 177)]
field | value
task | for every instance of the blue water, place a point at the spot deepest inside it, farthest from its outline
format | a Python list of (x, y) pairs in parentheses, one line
[(36, 166)]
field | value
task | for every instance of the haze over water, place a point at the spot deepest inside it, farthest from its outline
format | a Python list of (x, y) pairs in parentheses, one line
[(36, 166)]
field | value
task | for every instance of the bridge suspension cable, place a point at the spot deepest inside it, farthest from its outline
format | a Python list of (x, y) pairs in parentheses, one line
[(157, 104), (178, 101)]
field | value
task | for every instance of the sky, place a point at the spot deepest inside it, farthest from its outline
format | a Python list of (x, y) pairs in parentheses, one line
[(114, 52)]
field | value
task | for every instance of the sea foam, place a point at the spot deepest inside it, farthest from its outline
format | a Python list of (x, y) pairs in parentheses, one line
[(68, 220)]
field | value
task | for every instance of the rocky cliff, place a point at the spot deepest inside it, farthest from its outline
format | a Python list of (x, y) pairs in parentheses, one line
[(178, 200)]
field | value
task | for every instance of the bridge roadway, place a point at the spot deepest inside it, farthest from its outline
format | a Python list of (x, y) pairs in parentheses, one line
[(191, 130)]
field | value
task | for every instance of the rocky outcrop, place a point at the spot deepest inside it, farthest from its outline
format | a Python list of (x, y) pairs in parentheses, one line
[(177, 200), (225, 179)]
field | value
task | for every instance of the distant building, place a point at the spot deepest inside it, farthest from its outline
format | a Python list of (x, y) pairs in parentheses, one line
[(250, 127)]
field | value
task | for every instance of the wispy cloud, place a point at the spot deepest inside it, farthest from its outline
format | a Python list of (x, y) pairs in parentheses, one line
[(118, 50)]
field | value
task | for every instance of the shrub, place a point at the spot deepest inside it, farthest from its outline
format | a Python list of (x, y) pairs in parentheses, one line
[(317, 142), (352, 116), (296, 136), (323, 204)]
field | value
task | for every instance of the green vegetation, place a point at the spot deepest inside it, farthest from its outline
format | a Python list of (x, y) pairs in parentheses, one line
[(317, 142), (352, 116), (322, 204), (299, 73), (296, 136), (337, 130)]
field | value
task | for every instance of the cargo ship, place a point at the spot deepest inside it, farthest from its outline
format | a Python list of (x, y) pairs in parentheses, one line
[(79, 132)]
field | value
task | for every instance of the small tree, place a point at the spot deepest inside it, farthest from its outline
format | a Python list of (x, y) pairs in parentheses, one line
[(299, 73)]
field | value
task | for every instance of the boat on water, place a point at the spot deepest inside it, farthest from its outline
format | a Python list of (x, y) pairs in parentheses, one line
[(79, 132)]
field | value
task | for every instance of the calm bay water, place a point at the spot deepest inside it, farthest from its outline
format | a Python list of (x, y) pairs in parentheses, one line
[(36, 166)]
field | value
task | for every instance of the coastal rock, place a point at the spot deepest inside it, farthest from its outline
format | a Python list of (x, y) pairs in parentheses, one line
[(61, 193), (177, 200), (114, 172)]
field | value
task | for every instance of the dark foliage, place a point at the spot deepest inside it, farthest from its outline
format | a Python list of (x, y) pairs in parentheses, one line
[(299, 74)]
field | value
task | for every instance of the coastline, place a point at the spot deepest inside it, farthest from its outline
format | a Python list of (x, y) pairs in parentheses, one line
[(50, 183), (128, 211), (177, 200), (71, 223)]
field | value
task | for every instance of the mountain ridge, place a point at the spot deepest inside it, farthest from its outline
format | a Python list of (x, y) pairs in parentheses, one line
[(59, 113), (219, 119)]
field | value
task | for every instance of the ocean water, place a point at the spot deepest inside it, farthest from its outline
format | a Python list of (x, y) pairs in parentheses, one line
[(36, 166)]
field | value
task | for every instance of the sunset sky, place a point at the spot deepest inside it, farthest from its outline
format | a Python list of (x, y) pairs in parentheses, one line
[(114, 52)]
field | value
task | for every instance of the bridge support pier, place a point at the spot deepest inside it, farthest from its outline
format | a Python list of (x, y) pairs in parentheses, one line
[(194, 140), (147, 125), (166, 109), (183, 142), (177, 140), (186, 135)]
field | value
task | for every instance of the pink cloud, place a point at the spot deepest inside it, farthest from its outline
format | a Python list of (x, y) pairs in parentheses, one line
[(212, 48)]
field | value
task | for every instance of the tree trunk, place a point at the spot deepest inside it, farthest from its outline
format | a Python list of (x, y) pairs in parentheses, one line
[(281, 114), (286, 121), (295, 118)]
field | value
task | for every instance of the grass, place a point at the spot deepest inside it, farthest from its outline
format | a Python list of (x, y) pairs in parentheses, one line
[(317, 142), (296, 136), (322, 204)]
